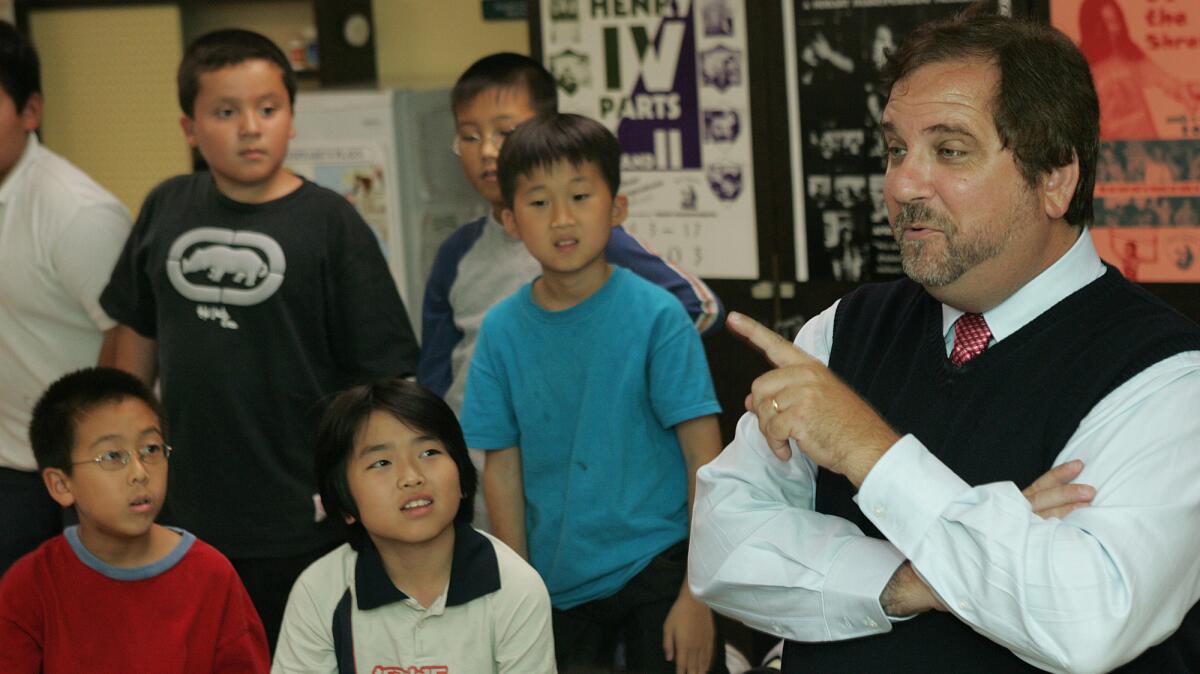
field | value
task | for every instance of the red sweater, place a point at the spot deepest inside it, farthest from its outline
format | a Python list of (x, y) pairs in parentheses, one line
[(60, 614)]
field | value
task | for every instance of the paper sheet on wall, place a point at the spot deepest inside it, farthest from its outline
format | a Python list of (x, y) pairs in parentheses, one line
[(670, 79), (1144, 55), (357, 172), (835, 50)]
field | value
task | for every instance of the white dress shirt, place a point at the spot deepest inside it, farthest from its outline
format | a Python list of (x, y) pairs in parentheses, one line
[(60, 235), (1084, 593)]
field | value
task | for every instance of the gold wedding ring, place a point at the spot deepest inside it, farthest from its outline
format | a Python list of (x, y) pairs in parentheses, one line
[(775, 405)]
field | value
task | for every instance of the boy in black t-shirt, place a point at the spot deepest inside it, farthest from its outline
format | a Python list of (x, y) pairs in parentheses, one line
[(251, 294)]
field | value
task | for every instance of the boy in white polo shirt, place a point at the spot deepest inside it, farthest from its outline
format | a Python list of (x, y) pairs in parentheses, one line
[(416, 588)]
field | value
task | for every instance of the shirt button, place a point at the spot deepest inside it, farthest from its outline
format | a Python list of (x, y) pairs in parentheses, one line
[(963, 605), (870, 622), (878, 510)]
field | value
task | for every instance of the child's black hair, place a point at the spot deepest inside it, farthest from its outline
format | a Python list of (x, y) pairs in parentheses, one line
[(544, 141), (504, 71), (64, 404), (222, 48), (20, 71), (412, 405)]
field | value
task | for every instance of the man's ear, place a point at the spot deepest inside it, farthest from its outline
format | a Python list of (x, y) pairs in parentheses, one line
[(31, 114), (620, 209), (189, 129), (59, 485), (509, 220), (1058, 187)]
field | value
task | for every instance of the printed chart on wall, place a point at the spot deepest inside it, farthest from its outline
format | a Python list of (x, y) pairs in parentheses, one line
[(353, 171), (669, 78), (835, 49), (1143, 55)]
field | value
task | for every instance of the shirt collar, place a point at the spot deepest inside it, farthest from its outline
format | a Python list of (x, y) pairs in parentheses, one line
[(31, 147), (474, 572), (1078, 267)]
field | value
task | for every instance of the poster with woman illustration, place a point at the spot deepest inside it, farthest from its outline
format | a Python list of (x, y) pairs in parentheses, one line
[(1144, 56)]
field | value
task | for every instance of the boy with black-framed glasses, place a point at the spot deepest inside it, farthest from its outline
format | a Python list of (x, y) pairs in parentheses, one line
[(118, 591), (479, 264)]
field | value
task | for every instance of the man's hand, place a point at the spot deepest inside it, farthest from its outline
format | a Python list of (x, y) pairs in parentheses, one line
[(1053, 495), (688, 634), (906, 594), (804, 400)]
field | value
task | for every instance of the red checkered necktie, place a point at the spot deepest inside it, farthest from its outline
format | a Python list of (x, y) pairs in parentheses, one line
[(971, 336)]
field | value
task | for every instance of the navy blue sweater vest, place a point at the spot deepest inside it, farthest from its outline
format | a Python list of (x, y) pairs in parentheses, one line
[(1004, 416)]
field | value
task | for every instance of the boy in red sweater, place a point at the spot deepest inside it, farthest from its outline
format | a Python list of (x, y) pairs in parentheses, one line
[(118, 592)]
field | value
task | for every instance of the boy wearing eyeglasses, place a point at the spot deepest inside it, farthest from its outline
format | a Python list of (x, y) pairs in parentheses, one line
[(480, 264), (118, 592)]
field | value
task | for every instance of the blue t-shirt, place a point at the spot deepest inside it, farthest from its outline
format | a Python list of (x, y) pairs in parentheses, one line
[(591, 396)]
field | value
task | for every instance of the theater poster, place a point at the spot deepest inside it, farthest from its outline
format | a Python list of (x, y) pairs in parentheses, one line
[(834, 52), (1145, 60), (670, 79)]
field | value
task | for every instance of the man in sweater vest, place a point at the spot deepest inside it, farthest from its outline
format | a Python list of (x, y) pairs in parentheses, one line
[(870, 509)]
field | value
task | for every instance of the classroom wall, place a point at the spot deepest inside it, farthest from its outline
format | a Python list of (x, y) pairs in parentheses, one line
[(426, 43), (108, 76), (108, 72)]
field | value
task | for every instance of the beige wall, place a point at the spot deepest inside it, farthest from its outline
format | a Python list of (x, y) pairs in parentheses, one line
[(108, 75), (109, 72), (427, 43)]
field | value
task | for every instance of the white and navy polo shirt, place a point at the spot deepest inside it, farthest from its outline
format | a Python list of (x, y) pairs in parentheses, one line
[(345, 615)]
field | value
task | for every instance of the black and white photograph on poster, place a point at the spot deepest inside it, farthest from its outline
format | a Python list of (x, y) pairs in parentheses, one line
[(885, 259), (571, 70), (721, 126), (846, 249), (670, 80), (850, 191), (718, 17), (721, 67), (564, 21), (820, 189), (725, 180), (835, 50)]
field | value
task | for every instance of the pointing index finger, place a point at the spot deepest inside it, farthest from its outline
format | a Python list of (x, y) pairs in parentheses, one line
[(778, 350)]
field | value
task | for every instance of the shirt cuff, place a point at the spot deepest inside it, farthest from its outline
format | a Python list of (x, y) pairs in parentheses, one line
[(902, 513), (851, 590)]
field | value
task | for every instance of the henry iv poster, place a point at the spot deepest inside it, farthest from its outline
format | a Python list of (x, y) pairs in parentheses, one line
[(1145, 60)]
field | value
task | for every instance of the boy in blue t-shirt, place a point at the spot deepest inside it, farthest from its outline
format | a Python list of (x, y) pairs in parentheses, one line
[(479, 265), (590, 391)]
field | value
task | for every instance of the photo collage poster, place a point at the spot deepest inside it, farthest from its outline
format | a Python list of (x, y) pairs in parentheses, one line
[(836, 50), (1145, 60), (670, 79)]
